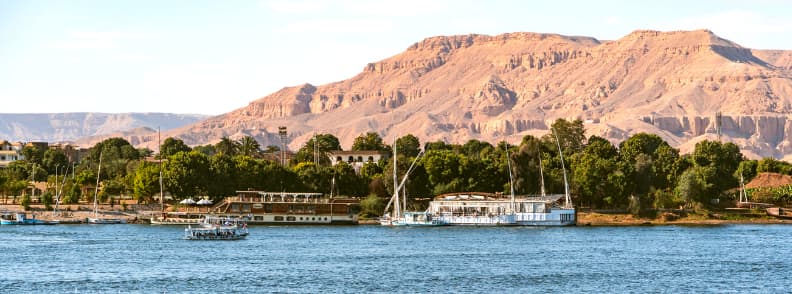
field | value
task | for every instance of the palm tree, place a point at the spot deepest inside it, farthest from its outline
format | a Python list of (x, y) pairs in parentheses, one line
[(227, 147), (248, 146)]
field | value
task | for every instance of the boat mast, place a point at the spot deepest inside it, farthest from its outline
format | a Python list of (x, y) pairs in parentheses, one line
[(33, 191), (566, 183), (396, 205), (162, 201), (96, 191), (541, 177), (511, 178), (743, 194)]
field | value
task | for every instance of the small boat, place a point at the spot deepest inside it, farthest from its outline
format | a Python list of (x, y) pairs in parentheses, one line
[(779, 212), (22, 219), (216, 228)]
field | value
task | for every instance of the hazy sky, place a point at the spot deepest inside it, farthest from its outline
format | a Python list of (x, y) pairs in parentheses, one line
[(212, 57)]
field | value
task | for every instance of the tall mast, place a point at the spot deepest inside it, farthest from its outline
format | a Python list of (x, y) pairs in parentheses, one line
[(566, 183), (162, 201), (96, 191), (396, 206), (33, 191), (511, 179), (541, 177)]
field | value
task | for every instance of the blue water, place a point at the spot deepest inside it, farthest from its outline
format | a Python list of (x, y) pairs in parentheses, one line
[(154, 259)]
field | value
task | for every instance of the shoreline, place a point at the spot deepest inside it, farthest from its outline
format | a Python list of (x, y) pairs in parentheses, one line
[(75, 214)]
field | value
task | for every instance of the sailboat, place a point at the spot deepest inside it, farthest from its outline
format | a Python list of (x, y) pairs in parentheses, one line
[(399, 216), (96, 219)]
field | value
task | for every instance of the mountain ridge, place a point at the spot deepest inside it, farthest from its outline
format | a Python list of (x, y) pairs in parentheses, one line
[(73, 126), (456, 88)]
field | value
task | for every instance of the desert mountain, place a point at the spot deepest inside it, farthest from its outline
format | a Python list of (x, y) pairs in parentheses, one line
[(456, 88), (63, 127)]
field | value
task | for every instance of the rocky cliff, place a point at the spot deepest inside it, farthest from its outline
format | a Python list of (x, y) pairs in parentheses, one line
[(456, 88)]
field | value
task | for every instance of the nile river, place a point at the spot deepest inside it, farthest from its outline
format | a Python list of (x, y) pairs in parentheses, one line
[(363, 259)]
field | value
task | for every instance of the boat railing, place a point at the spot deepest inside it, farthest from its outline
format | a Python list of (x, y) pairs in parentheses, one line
[(266, 197)]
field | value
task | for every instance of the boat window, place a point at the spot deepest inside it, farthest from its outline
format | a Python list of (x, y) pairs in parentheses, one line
[(279, 218), (291, 218)]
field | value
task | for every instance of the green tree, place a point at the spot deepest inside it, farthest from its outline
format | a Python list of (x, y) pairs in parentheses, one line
[(692, 185), (323, 143), (370, 141), (570, 135), (186, 174), (718, 162), (25, 202), (597, 177), (443, 170), (54, 158), (408, 145), (313, 177), (248, 146), (146, 182), (223, 171), (46, 199), (372, 206), (33, 154), (347, 181), (227, 147), (172, 146), (208, 150), (72, 194)]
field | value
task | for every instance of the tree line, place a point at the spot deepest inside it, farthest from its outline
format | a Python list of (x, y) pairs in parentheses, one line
[(642, 173)]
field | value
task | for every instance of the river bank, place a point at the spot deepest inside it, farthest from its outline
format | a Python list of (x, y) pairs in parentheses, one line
[(78, 213), (140, 214)]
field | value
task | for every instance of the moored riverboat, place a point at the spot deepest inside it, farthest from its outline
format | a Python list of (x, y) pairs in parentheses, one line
[(284, 208), (22, 219), (177, 218)]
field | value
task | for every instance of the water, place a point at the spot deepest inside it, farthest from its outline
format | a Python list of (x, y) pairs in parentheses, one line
[(154, 259)]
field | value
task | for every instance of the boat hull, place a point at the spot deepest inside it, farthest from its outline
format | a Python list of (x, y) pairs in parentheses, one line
[(105, 221), (779, 212)]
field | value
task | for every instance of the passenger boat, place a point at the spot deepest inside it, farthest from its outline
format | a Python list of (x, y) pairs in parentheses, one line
[(284, 208), (22, 219), (215, 228), (488, 209)]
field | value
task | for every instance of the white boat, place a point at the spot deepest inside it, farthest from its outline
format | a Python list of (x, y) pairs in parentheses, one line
[(400, 216), (217, 228), (487, 209), (96, 219)]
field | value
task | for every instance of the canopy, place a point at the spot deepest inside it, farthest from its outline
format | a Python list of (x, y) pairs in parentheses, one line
[(204, 202), (188, 201)]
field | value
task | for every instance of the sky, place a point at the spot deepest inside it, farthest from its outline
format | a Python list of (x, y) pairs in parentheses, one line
[(211, 57)]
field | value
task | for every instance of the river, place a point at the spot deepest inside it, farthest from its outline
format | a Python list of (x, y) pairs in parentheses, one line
[(331, 259)]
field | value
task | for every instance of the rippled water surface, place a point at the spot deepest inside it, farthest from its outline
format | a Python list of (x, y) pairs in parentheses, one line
[(148, 259)]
